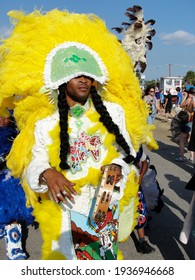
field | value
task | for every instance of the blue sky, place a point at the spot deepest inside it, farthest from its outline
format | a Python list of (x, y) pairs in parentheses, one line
[(173, 50)]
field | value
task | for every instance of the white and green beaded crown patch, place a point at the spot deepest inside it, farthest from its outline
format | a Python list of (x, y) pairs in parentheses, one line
[(70, 60)]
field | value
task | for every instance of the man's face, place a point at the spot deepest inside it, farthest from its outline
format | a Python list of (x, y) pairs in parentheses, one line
[(77, 90), (4, 121)]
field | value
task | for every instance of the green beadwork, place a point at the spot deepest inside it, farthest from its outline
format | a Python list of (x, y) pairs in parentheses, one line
[(79, 123), (71, 60), (77, 111)]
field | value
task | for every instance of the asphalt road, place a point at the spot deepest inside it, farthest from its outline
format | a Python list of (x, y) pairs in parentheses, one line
[(165, 227)]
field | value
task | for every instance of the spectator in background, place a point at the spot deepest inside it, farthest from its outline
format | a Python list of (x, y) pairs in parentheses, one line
[(179, 96), (184, 133), (168, 105), (162, 99), (157, 94), (188, 229), (191, 109), (186, 105), (151, 100), (142, 246)]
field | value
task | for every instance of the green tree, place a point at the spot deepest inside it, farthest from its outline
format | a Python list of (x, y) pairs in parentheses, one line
[(189, 78), (149, 84)]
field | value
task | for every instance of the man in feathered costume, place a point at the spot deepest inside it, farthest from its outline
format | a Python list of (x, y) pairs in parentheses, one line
[(79, 109)]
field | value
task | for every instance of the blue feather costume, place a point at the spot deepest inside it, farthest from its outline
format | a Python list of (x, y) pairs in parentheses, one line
[(12, 197)]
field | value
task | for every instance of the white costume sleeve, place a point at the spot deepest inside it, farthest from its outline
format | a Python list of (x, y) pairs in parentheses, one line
[(143, 157), (40, 160)]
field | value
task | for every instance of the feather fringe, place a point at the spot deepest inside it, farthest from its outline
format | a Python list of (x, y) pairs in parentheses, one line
[(120, 255), (49, 215)]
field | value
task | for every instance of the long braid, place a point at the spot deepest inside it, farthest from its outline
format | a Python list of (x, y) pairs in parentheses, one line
[(64, 137), (106, 119)]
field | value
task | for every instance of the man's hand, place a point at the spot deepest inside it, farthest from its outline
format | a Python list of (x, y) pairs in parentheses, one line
[(60, 187)]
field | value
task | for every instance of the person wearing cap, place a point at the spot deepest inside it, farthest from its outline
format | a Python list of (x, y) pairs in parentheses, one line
[(79, 109), (14, 214)]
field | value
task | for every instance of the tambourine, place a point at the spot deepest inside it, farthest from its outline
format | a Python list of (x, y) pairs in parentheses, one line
[(106, 188)]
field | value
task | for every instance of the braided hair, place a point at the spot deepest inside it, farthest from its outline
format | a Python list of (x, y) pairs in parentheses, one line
[(64, 136), (105, 118), (107, 121)]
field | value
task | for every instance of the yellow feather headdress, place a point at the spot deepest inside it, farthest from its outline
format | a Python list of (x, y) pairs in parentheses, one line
[(4, 112), (22, 62)]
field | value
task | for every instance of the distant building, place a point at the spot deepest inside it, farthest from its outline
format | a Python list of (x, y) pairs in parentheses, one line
[(170, 84)]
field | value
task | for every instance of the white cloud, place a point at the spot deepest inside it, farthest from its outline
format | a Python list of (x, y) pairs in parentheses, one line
[(178, 37), (5, 31)]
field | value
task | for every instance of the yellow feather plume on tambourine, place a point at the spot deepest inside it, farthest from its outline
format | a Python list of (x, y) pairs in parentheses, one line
[(22, 81)]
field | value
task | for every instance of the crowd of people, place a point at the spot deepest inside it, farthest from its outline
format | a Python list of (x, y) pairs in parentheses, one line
[(178, 109), (182, 120)]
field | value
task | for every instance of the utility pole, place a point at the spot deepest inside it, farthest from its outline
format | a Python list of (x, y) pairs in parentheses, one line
[(170, 70)]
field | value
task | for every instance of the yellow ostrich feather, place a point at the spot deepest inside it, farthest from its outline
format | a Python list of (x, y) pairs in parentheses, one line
[(119, 255), (4, 112), (7, 103), (128, 205), (49, 216), (27, 112)]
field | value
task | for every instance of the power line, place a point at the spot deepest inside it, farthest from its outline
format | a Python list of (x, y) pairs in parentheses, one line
[(168, 70), (154, 68)]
